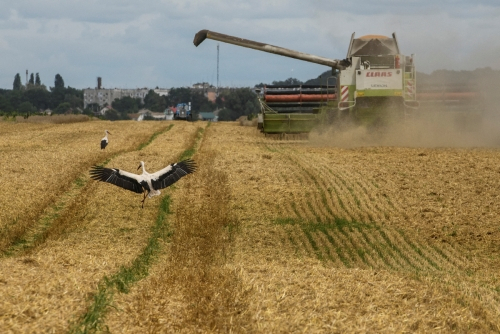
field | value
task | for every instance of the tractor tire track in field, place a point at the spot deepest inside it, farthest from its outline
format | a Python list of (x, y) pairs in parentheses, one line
[(56, 218), (341, 218), (94, 317)]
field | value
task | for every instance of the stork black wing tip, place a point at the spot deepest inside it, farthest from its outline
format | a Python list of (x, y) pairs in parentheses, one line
[(189, 165), (96, 172), (96, 168)]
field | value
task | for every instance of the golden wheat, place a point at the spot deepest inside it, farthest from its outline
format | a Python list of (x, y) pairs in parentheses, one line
[(104, 230), (382, 239)]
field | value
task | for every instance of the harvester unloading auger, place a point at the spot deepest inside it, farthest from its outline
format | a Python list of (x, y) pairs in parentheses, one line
[(374, 77)]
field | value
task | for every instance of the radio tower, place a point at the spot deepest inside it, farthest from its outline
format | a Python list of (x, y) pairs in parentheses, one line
[(217, 91)]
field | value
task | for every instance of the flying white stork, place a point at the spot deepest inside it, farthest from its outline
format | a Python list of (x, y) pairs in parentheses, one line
[(104, 140), (148, 184)]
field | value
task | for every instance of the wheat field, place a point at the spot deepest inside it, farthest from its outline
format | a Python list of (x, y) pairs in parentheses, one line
[(267, 236)]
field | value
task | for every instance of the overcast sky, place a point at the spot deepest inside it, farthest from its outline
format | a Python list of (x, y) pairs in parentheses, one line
[(149, 43)]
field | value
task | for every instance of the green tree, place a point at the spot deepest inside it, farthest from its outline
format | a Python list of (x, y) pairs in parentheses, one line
[(57, 95), (199, 103), (154, 102), (26, 108), (74, 91), (37, 80), (225, 115), (88, 111), (112, 115), (288, 82), (5, 104), (251, 108), (58, 82), (74, 100), (32, 79), (62, 108), (126, 105), (325, 78), (17, 82), (39, 97), (237, 102), (16, 97), (320, 80), (178, 95), (229, 115)]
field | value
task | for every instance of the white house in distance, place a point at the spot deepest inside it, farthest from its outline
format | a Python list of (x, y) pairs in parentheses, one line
[(161, 91), (155, 115)]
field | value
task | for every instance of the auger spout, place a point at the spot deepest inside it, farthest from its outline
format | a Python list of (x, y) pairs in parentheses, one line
[(333, 63)]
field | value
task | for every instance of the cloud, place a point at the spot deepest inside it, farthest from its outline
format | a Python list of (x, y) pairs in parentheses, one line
[(149, 43)]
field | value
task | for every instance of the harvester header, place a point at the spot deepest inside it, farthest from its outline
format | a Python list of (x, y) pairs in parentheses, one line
[(333, 63)]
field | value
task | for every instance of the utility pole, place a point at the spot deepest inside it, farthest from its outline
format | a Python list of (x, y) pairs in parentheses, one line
[(217, 92)]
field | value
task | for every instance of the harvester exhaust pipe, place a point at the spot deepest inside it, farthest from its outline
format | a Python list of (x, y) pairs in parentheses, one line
[(333, 63)]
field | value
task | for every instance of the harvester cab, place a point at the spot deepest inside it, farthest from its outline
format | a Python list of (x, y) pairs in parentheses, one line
[(379, 74), (373, 76)]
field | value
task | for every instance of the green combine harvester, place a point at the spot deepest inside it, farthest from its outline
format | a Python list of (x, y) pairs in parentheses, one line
[(370, 86)]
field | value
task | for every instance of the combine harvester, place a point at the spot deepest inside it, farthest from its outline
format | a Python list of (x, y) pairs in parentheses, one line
[(373, 79)]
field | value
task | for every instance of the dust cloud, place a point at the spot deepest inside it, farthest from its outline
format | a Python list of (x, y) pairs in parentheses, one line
[(440, 128), (473, 123)]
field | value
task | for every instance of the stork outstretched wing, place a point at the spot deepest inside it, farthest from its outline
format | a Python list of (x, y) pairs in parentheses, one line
[(117, 177), (172, 173)]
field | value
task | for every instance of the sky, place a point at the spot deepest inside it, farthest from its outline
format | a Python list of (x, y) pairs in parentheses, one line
[(149, 43)]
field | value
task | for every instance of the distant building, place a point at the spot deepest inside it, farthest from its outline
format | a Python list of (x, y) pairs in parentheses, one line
[(211, 94), (161, 91), (104, 97)]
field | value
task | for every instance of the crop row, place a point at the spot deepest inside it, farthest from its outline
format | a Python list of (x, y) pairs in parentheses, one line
[(340, 216)]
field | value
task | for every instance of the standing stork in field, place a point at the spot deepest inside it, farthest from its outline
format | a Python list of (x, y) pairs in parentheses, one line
[(148, 184), (104, 141)]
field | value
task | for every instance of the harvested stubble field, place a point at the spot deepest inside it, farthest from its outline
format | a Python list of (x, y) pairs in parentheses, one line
[(267, 236)]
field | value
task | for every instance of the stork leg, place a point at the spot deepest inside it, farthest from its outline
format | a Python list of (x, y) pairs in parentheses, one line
[(143, 199)]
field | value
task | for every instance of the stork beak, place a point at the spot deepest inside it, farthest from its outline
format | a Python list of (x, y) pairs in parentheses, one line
[(109, 133), (139, 167)]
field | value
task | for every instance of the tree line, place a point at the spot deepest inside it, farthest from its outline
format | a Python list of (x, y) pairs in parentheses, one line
[(231, 103), (35, 98), (327, 77)]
